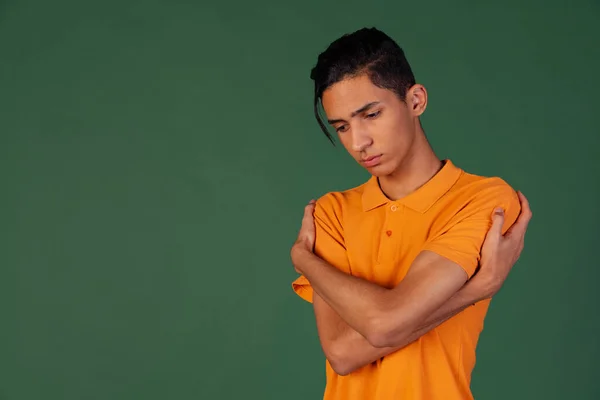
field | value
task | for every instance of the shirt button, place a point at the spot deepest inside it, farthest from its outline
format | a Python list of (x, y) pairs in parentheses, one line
[(389, 233), (394, 207)]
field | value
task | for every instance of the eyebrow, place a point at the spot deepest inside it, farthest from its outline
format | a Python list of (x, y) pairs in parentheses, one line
[(355, 113)]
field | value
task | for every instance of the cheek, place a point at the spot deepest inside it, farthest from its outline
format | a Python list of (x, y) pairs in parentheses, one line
[(387, 132), (396, 131)]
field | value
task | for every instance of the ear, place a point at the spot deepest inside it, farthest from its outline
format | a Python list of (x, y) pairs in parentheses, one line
[(416, 98)]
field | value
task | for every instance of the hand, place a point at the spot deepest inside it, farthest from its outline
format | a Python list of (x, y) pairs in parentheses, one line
[(306, 236), (499, 252)]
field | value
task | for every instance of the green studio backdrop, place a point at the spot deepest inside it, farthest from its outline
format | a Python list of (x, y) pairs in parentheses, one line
[(156, 156)]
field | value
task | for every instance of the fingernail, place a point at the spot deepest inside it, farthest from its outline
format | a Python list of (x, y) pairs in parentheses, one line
[(499, 211)]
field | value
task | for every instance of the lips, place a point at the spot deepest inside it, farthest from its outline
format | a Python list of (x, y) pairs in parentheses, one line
[(371, 161)]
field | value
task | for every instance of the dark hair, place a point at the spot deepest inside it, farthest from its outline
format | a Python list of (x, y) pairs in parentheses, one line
[(369, 51)]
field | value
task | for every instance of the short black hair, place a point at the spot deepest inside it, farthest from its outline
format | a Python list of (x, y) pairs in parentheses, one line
[(369, 51)]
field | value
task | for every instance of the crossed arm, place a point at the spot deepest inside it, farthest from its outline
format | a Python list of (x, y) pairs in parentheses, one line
[(360, 322)]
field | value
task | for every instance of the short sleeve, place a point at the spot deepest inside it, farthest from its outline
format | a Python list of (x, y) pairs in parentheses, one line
[(329, 241), (462, 238)]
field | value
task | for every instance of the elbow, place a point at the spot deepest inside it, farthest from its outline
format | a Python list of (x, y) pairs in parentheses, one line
[(340, 367), (384, 332), (339, 358), (381, 339)]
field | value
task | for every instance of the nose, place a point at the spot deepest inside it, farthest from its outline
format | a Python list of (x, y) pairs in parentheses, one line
[(361, 139)]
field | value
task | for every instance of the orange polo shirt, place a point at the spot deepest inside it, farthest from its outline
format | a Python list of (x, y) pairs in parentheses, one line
[(365, 234)]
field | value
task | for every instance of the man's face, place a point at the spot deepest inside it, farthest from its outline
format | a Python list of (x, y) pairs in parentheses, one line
[(373, 124)]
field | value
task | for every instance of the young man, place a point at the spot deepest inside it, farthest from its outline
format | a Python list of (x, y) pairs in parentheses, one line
[(391, 266)]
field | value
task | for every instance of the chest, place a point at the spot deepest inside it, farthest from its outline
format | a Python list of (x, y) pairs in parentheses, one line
[(382, 244)]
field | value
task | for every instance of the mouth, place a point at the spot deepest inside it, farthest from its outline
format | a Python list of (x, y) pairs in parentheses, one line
[(371, 161)]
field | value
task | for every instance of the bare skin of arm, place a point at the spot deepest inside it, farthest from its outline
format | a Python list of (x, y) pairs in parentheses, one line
[(347, 349), (385, 317)]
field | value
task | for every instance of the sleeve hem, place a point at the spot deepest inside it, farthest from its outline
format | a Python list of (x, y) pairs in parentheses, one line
[(302, 288), (466, 263)]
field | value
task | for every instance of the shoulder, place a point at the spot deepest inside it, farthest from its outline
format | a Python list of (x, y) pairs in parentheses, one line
[(485, 190), (476, 194), (339, 203)]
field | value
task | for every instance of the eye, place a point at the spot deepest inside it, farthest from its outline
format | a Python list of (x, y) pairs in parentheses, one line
[(374, 114), (342, 128)]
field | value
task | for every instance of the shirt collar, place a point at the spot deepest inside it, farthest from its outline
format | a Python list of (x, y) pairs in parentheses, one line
[(421, 199)]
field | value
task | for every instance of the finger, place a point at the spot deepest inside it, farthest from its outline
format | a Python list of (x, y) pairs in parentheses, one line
[(519, 228), (309, 207), (497, 222), (525, 206), (492, 237)]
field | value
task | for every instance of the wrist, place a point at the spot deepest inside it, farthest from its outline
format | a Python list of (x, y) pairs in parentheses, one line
[(481, 288)]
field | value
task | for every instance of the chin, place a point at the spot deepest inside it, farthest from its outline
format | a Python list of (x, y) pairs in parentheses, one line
[(380, 170)]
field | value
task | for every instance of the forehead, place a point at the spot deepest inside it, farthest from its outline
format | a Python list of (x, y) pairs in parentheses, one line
[(348, 95)]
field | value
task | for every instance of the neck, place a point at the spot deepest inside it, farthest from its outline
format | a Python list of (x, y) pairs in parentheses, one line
[(420, 165)]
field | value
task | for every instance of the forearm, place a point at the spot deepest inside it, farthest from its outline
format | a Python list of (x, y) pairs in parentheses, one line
[(355, 300), (354, 351), (345, 348), (468, 295)]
